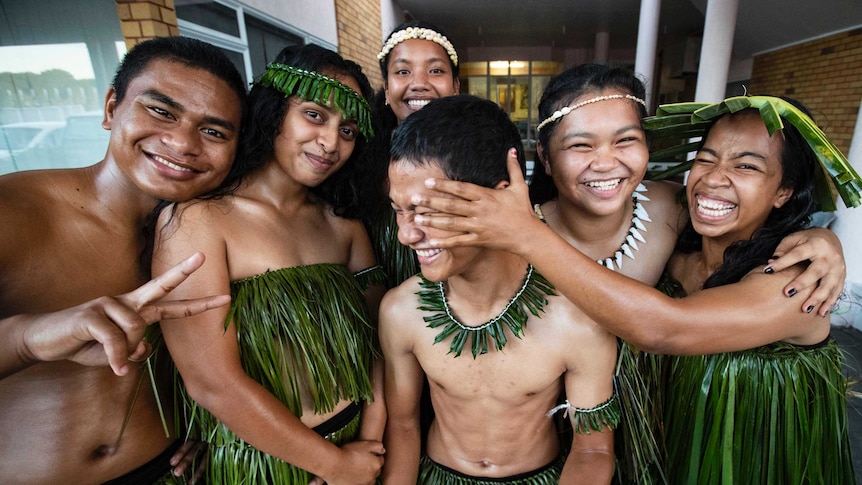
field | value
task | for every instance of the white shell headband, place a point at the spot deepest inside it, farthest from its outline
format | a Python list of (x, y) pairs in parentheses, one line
[(568, 109), (418, 33)]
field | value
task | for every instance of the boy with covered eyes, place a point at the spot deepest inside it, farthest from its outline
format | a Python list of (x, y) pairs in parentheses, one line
[(532, 353)]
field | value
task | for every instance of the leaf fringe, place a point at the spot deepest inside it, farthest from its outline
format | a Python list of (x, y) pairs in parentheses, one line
[(772, 415), (300, 330), (667, 127)]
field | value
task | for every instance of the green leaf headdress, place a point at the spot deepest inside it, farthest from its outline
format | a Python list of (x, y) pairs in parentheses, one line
[(313, 86), (678, 123)]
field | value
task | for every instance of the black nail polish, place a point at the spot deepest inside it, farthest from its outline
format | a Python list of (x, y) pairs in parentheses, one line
[(774, 256), (769, 270), (809, 309), (791, 292)]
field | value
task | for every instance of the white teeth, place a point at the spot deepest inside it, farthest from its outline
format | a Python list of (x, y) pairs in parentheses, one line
[(418, 103), (714, 208), (171, 165), (427, 253), (603, 184)]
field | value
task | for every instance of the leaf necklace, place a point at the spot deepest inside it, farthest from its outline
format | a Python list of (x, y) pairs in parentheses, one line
[(531, 296)]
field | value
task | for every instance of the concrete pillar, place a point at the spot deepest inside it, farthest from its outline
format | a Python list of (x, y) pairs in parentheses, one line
[(646, 48), (718, 31), (603, 45), (848, 227)]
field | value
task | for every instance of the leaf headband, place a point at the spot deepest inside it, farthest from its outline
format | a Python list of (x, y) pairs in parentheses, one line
[(675, 124), (315, 87)]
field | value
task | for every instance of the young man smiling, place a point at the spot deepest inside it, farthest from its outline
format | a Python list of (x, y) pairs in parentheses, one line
[(73, 236)]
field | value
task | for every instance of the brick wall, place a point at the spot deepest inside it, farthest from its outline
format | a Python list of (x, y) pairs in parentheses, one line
[(144, 19), (359, 35), (824, 74)]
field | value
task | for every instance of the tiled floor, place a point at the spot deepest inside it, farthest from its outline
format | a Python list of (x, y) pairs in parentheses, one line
[(850, 340)]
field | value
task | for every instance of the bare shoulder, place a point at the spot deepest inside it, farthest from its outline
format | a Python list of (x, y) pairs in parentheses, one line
[(35, 191), (198, 225), (570, 326), (665, 202), (197, 216), (400, 304)]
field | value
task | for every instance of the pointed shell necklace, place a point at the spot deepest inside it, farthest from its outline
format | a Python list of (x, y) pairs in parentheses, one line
[(630, 245), (531, 297)]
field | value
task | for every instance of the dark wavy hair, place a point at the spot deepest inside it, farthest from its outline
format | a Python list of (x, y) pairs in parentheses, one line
[(562, 91), (468, 137), (267, 109), (798, 165)]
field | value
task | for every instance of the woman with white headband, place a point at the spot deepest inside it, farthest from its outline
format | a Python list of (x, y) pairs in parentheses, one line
[(419, 64)]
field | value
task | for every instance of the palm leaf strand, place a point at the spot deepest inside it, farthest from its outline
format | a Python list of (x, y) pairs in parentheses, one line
[(772, 415), (669, 126), (300, 330)]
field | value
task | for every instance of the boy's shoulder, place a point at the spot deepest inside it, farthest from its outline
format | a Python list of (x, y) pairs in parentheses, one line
[(401, 301)]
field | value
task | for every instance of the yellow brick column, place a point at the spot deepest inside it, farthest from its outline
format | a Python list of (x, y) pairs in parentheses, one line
[(359, 37), (144, 19), (824, 74)]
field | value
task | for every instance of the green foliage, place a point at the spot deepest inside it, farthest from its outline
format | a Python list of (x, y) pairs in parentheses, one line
[(313, 86), (678, 123), (531, 297), (301, 331), (772, 415)]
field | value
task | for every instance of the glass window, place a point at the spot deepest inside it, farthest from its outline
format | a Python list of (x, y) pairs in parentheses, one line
[(475, 85), (474, 69), (265, 41), (209, 14), (56, 63)]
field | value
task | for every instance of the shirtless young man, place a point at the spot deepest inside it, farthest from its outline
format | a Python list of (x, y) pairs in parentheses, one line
[(492, 407), (73, 236)]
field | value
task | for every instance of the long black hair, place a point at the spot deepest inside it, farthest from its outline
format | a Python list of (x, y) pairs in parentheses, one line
[(798, 163), (562, 91), (267, 109)]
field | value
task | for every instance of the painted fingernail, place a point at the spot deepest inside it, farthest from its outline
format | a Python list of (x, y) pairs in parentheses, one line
[(430, 182), (791, 292), (809, 309), (768, 270), (774, 256)]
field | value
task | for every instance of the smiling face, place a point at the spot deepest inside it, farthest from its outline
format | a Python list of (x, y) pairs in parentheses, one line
[(735, 180), (175, 133), (406, 179), (418, 71), (315, 140), (597, 154)]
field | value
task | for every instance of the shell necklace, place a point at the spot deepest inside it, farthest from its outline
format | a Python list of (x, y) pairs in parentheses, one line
[(630, 245)]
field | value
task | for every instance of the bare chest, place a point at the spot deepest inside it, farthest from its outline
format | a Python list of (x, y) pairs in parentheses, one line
[(264, 242), (60, 268), (525, 367)]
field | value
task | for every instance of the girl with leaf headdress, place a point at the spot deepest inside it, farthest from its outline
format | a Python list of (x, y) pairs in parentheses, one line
[(283, 385)]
